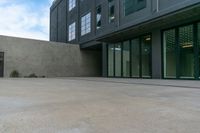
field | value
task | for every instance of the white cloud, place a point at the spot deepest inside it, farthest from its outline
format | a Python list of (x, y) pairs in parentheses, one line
[(17, 19)]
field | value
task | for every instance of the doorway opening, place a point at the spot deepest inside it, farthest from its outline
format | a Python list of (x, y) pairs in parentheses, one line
[(1, 64)]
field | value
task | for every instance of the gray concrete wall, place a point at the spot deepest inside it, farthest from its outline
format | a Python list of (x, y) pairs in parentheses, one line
[(48, 59)]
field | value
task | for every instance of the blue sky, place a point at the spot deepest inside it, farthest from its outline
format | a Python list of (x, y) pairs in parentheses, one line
[(25, 18)]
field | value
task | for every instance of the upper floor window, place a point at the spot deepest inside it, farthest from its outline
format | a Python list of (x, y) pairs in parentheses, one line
[(98, 17), (72, 4), (131, 6), (72, 31), (86, 24), (111, 11)]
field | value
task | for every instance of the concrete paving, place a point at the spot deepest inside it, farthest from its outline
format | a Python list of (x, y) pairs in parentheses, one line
[(99, 105)]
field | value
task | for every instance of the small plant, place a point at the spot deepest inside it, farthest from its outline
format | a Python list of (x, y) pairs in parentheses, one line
[(14, 74), (33, 75)]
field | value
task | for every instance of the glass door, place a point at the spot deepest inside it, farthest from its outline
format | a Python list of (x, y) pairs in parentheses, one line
[(111, 60), (1, 63), (146, 56), (169, 51), (118, 57), (135, 58), (126, 59), (186, 58), (130, 58), (181, 52)]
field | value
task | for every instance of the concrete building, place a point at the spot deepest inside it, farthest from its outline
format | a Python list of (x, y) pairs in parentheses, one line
[(137, 38)]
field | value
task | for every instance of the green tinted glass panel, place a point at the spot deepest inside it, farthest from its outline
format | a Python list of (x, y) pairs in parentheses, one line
[(126, 59), (110, 60), (186, 52), (146, 53), (131, 6), (135, 57), (169, 52), (118, 60)]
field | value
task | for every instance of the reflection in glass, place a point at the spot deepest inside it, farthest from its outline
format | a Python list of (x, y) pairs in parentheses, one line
[(169, 54), (111, 60), (118, 60), (126, 59), (111, 11), (146, 53), (98, 17), (135, 57), (186, 51)]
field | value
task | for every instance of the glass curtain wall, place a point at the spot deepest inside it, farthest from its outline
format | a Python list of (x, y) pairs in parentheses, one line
[(118, 56), (131, 58), (181, 52), (126, 59), (169, 54), (111, 60), (186, 51), (135, 57), (146, 56)]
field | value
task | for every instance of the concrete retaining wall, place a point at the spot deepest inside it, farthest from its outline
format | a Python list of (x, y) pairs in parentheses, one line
[(49, 59)]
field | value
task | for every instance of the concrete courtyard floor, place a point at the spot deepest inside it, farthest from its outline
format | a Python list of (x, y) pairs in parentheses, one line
[(99, 105)]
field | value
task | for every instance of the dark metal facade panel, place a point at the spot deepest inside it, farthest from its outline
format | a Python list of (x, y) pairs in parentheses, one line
[(62, 20), (53, 25), (58, 21), (154, 10)]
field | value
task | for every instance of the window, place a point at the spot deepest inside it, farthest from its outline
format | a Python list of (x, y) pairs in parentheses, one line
[(131, 6), (186, 51), (110, 60), (118, 56), (86, 24), (131, 58), (98, 17), (180, 53), (169, 51), (126, 59), (72, 32), (135, 57), (111, 11), (146, 56), (72, 4)]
